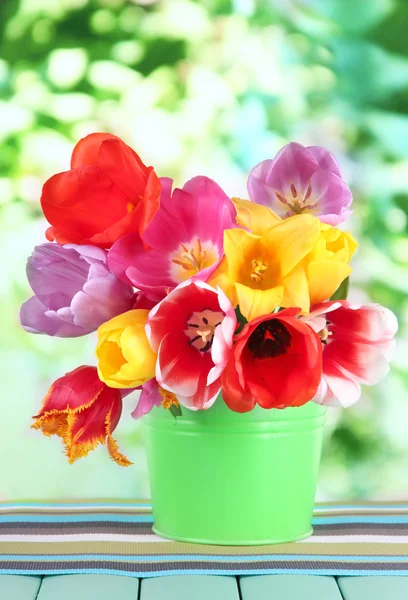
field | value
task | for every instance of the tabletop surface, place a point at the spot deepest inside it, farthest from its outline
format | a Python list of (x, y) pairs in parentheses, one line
[(202, 587)]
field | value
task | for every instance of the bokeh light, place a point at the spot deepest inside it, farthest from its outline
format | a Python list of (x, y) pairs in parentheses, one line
[(203, 87)]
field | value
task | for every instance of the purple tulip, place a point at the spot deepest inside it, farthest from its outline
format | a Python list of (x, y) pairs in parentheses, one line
[(301, 180), (74, 291)]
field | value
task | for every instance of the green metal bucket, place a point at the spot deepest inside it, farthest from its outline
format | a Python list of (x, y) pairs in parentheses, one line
[(220, 477)]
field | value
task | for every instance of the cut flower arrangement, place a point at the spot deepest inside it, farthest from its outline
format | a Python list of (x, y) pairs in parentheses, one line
[(193, 293), (198, 298)]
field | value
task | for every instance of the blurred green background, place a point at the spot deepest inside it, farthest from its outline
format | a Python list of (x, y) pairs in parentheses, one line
[(208, 87)]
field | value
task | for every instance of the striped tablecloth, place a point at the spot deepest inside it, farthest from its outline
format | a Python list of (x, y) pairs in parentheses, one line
[(115, 537)]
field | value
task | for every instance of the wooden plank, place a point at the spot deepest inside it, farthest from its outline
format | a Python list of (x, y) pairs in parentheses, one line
[(88, 587), (289, 587), (374, 588), (190, 587), (19, 587)]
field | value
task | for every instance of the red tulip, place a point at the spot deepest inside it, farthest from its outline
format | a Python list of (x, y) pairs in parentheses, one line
[(107, 193), (83, 411), (192, 331), (276, 362)]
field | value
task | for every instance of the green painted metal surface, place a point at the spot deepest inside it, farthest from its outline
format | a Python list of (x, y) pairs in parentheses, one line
[(289, 587), (233, 486), (190, 587), (19, 587), (374, 588), (87, 587)]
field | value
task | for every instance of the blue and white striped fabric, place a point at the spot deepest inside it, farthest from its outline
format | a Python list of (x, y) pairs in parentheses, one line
[(115, 537)]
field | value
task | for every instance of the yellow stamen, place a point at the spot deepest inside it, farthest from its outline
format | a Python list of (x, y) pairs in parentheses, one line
[(169, 399), (324, 334), (130, 206), (191, 259), (205, 333), (258, 268)]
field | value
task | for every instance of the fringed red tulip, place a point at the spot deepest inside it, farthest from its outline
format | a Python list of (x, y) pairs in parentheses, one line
[(83, 411)]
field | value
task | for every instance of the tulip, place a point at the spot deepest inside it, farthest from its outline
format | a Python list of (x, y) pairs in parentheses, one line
[(83, 412), (357, 342), (107, 193), (185, 239), (125, 358), (192, 331), (276, 362), (290, 263), (74, 291), (302, 180)]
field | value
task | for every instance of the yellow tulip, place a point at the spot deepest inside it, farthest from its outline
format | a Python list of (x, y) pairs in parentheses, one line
[(293, 262), (327, 264), (125, 358)]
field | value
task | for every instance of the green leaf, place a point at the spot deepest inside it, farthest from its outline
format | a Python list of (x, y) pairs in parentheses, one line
[(342, 291), (175, 410), (240, 319)]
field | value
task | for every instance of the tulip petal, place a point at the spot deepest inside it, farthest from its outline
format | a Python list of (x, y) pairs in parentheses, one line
[(75, 391), (331, 194), (86, 151), (131, 317), (55, 274), (234, 395), (123, 166), (257, 218), (86, 306), (179, 365), (368, 323), (114, 453), (324, 159), (296, 289), (148, 270), (137, 351), (239, 248), (220, 279), (337, 390), (148, 398), (321, 287), (364, 363), (254, 303), (204, 398), (36, 318), (291, 240), (62, 203)]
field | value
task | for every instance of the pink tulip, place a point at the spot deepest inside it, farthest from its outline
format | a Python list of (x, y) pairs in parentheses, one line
[(358, 342), (191, 330), (301, 180), (185, 239)]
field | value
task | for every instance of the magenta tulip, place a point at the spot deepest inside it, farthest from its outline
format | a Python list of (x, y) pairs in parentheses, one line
[(185, 239)]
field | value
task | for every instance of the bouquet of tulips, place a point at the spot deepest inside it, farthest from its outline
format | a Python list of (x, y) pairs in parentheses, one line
[(193, 293)]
